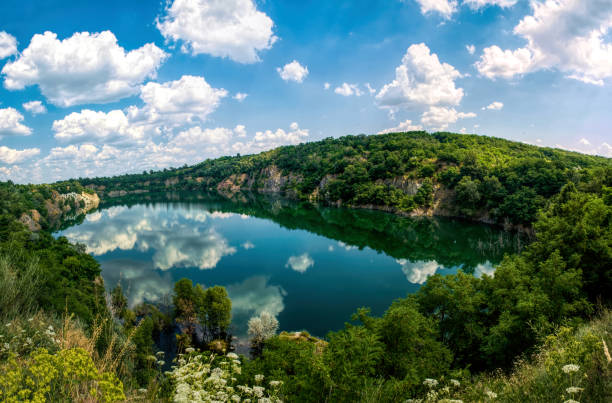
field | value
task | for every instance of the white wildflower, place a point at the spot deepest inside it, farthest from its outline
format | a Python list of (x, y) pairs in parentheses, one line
[(235, 398), (232, 356), (430, 383), (262, 327), (259, 378), (571, 401), (276, 384), (189, 350), (161, 363), (455, 383), (574, 389), (491, 394), (142, 390), (258, 391), (569, 368)]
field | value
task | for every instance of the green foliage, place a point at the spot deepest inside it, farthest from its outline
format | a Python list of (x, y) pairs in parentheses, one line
[(506, 181)]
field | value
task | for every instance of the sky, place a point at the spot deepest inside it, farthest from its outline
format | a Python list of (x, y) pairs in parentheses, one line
[(91, 88)]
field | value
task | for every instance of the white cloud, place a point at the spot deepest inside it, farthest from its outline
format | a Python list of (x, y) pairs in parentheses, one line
[(569, 35), (326, 86), (293, 71), (584, 141), (35, 107), (240, 96), (300, 263), (268, 139), (421, 80), (587, 147), (471, 49), (495, 62), (405, 126), (439, 118), (91, 125), (444, 7), (11, 156), (477, 4), (248, 245), (177, 101), (371, 90), (494, 106), (10, 123), (8, 45), (85, 68), (347, 90), (223, 28)]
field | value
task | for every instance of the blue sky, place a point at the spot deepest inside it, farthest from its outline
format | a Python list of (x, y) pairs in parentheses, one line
[(126, 86)]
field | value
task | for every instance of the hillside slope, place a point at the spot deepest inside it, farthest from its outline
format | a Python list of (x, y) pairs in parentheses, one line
[(482, 178)]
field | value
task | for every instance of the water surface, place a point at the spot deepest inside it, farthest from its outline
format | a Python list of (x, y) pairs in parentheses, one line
[(310, 266)]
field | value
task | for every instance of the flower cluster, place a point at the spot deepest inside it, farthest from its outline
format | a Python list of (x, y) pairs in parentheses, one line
[(202, 377), (20, 338), (68, 373)]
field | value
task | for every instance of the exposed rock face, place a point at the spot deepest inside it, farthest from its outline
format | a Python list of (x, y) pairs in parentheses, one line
[(408, 186), (171, 182), (31, 221)]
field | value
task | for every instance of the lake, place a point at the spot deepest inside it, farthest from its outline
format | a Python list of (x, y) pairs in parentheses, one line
[(310, 266)]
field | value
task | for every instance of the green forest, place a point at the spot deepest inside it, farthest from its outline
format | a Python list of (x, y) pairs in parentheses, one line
[(540, 329)]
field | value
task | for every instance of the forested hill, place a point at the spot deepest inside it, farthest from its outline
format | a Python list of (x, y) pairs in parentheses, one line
[(478, 177)]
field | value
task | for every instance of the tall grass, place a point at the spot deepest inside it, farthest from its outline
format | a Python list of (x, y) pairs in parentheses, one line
[(19, 287)]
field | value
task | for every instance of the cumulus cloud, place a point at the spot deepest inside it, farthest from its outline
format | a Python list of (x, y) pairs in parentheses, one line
[(35, 107), (417, 272), (371, 90), (248, 245), (471, 49), (405, 126), (439, 117), (8, 45), (586, 146), (125, 154), (494, 106), (421, 80), (293, 71), (478, 4), (443, 7), (326, 86), (92, 125), (300, 263), (178, 101), (568, 35), (85, 68), (10, 123), (347, 90), (240, 96), (166, 105), (11, 156), (223, 28)]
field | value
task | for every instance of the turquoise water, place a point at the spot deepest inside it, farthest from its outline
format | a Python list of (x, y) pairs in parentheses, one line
[(311, 267)]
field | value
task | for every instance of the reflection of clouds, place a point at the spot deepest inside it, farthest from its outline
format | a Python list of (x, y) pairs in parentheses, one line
[(179, 237), (139, 281), (248, 245), (300, 263), (345, 246), (330, 248), (93, 217), (251, 297), (220, 215), (484, 268), (418, 272)]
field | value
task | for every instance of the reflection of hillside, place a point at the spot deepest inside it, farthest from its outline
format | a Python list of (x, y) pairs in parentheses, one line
[(448, 242)]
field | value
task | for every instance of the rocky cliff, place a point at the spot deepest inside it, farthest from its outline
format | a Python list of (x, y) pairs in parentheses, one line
[(61, 206)]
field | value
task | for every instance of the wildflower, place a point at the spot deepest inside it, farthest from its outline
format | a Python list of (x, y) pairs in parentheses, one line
[(189, 350), (430, 383), (161, 363), (259, 378), (232, 356), (276, 384), (151, 358), (159, 354), (455, 383), (142, 390), (574, 389), (491, 394), (571, 401), (235, 398), (258, 391), (569, 368)]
